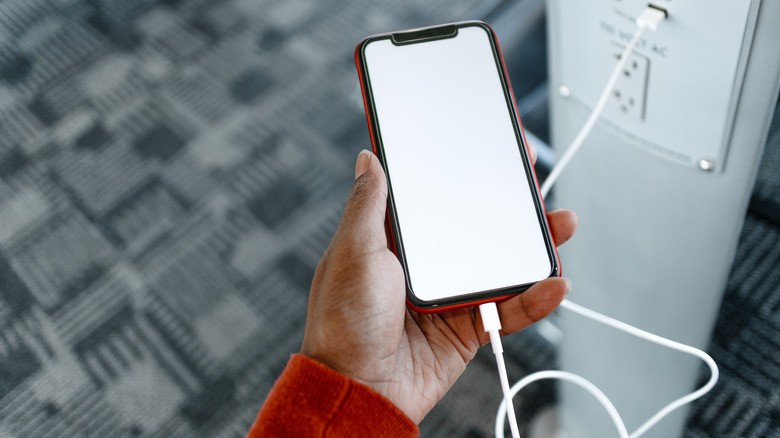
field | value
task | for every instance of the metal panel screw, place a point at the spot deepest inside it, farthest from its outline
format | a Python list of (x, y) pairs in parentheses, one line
[(706, 165)]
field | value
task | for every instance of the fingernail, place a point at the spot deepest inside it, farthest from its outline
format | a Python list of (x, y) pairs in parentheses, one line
[(363, 160), (568, 285)]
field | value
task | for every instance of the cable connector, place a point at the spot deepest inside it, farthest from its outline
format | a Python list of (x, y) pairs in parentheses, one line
[(490, 319), (492, 324), (651, 17)]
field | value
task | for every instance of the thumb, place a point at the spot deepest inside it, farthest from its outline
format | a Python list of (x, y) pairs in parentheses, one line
[(364, 215)]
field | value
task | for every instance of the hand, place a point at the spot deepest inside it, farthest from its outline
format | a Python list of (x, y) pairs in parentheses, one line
[(358, 322)]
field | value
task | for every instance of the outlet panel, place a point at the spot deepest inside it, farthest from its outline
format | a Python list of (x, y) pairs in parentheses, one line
[(628, 95), (695, 66), (657, 236)]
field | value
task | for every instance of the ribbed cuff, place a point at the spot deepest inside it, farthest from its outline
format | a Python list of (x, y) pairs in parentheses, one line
[(310, 399)]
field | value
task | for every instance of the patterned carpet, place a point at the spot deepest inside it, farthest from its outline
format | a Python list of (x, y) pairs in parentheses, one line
[(170, 173)]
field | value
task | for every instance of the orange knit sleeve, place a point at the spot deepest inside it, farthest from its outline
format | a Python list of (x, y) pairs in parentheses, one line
[(312, 400)]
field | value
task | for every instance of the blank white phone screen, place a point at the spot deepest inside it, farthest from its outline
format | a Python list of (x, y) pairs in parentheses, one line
[(464, 206)]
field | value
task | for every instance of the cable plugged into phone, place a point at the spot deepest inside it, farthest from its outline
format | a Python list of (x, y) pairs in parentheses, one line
[(649, 19), (492, 324)]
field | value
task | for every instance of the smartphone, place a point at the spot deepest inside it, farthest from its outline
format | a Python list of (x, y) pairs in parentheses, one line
[(465, 216)]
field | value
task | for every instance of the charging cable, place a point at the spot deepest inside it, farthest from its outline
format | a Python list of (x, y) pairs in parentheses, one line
[(648, 19), (598, 394), (492, 324)]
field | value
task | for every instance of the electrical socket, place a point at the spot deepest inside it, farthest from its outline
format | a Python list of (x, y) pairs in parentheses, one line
[(693, 82), (630, 91)]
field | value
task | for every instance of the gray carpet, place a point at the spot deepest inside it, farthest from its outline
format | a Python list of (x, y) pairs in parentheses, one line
[(170, 173)]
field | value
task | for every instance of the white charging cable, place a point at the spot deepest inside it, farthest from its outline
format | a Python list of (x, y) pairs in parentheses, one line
[(648, 19), (492, 324), (600, 396)]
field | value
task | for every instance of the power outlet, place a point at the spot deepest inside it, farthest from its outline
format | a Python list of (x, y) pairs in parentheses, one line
[(630, 92), (684, 108)]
